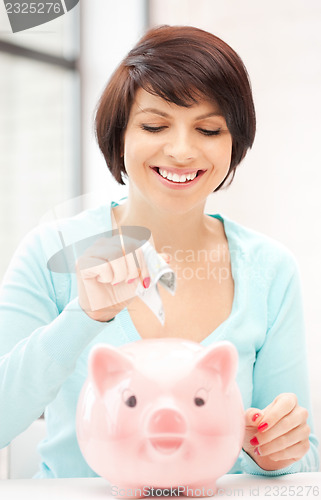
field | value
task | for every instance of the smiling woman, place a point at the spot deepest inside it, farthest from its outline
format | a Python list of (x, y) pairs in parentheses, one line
[(169, 147), (175, 121), (199, 66)]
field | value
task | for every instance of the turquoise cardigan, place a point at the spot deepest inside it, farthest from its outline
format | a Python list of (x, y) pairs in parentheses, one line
[(45, 338)]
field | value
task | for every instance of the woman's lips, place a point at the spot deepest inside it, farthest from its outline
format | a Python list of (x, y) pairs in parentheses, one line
[(178, 185)]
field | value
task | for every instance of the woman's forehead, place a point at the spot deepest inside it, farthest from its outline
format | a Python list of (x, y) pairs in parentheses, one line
[(146, 102)]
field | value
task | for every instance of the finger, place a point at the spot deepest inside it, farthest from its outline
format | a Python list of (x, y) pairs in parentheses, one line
[(119, 268), (132, 271), (278, 449), (143, 269), (102, 296), (294, 453), (105, 274), (278, 409), (97, 294), (253, 416), (166, 257), (91, 267), (294, 419), (122, 292), (105, 248)]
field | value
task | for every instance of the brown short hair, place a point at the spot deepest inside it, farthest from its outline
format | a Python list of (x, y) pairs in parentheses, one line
[(179, 64)]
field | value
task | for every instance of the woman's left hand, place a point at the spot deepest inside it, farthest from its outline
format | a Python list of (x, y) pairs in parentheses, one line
[(278, 435)]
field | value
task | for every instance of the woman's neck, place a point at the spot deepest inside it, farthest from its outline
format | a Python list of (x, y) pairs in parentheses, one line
[(170, 231)]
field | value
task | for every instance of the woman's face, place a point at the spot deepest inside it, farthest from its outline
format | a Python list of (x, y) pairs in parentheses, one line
[(175, 156)]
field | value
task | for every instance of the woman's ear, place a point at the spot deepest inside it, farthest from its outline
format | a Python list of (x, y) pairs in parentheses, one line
[(121, 146)]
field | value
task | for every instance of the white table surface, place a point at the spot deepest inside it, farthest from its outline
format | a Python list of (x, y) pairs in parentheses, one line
[(302, 485)]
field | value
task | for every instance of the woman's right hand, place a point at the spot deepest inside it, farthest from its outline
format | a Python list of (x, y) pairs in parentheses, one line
[(107, 280)]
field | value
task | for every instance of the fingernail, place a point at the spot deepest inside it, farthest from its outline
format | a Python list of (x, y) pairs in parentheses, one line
[(146, 282), (254, 441), (256, 451), (256, 416), (262, 427), (131, 281)]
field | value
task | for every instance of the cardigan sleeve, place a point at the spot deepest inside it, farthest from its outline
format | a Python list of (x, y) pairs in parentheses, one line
[(40, 337), (281, 361)]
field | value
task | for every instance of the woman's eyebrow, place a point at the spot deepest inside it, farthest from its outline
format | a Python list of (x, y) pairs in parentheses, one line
[(152, 110), (165, 115), (208, 115)]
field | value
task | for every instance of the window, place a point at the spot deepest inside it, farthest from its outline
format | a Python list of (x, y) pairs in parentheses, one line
[(39, 125)]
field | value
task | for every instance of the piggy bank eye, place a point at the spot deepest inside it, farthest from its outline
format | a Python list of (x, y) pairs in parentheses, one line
[(131, 401), (128, 398), (200, 397)]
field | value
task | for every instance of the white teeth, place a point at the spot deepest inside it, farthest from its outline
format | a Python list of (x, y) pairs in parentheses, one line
[(175, 177)]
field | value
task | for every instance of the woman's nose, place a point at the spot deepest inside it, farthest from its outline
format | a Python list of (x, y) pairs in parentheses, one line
[(180, 148)]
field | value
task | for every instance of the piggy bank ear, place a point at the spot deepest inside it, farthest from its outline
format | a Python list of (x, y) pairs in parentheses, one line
[(108, 366), (221, 359)]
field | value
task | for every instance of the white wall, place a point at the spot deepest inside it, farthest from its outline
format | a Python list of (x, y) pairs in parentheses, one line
[(109, 29), (277, 189)]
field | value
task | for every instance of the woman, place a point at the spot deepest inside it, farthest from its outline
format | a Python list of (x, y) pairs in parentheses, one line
[(176, 118)]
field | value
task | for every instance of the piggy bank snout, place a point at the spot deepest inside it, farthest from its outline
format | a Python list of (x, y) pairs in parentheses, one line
[(167, 429), (167, 421)]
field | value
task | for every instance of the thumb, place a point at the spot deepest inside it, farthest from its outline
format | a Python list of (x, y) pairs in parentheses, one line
[(253, 418)]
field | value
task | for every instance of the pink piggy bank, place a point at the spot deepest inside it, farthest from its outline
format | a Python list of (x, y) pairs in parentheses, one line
[(161, 413)]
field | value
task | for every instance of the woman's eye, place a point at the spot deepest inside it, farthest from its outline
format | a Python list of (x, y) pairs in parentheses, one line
[(209, 132), (149, 128)]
